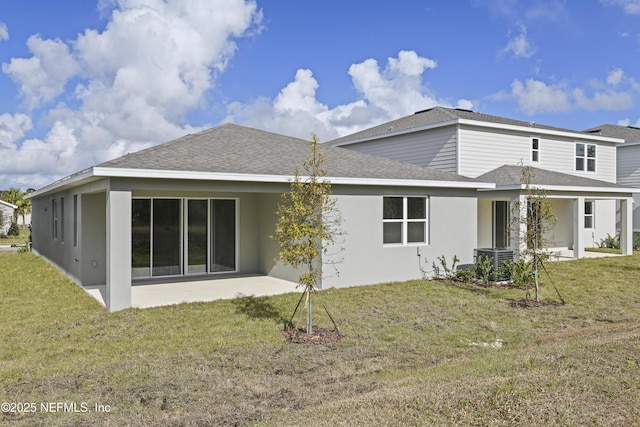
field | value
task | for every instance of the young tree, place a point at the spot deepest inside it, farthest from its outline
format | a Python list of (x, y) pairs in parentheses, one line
[(308, 223), (533, 219)]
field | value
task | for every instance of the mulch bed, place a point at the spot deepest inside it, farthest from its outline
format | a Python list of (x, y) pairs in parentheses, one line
[(318, 336)]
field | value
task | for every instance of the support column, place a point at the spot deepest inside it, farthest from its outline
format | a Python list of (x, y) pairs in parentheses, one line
[(626, 226), (578, 227), (118, 295), (519, 225)]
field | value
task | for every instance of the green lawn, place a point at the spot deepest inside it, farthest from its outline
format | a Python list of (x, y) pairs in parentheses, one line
[(17, 240), (413, 353)]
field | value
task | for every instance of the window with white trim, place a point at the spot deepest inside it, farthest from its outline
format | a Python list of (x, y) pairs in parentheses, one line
[(75, 220), (586, 157), (589, 214), (535, 150), (54, 219), (404, 220)]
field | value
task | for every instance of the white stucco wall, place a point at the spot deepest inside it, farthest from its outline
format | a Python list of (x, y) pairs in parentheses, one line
[(7, 217), (452, 231)]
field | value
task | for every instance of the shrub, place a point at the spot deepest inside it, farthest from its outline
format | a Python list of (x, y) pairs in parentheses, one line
[(611, 242), (484, 267), (466, 275), (13, 231), (521, 272)]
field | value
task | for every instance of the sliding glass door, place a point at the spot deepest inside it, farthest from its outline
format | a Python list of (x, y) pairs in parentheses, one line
[(167, 237), (141, 238), (182, 236), (197, 236), (223, 235)]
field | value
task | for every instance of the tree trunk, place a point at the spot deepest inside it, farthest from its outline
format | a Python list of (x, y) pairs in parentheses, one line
[(309, 307)]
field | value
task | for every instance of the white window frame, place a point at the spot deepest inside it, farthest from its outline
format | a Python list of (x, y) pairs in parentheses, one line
[(405, 221), (591, 215), (585, 157), (535, 150)]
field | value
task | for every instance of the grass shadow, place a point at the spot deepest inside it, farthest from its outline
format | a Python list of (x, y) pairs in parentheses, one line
[(259, 308)]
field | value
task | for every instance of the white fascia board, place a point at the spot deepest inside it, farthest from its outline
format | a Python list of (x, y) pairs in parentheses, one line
[(567, 188), (63, 182), (530, 129), (627, 144), (240, 177), (541, 131), (11, 205), (400, 132)]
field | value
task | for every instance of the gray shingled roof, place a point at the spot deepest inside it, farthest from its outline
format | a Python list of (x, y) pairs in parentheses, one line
[(231, 148), (434, 116), (512, 174), (628, 133)]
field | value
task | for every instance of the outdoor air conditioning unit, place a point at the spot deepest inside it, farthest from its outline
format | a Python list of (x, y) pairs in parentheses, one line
[(498, 258)]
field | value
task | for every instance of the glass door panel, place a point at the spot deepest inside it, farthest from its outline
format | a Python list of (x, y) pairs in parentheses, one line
[(197, 232), (501, 235), (223, 235), (141, 238), (167, 237)]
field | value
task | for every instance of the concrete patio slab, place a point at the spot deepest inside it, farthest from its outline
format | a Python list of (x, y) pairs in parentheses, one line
[(157, 295), (567, 255)]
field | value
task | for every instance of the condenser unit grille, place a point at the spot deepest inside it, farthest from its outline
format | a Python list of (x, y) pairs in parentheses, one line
[(498, 258)]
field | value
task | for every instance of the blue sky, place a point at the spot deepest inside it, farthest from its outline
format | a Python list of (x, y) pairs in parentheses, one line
[(85, 81)]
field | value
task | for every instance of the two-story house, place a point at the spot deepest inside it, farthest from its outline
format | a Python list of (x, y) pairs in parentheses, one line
[(627, 160), (578, 169)]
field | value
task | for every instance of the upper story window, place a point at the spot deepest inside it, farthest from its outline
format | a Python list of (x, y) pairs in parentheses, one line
[(586, 157), (535, 150), (404, 220)]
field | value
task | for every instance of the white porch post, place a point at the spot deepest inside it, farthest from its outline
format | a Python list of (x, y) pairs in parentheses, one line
[(578, 227), (626, 226), (118, 295), (519, 226)]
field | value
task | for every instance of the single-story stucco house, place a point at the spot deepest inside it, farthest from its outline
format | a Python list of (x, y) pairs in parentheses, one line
[(7, 211), (204, 205)]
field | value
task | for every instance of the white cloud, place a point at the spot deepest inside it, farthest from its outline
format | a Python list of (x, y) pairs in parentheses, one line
[(43, 76), (631, 7), (617, 92), (13, 128), (615, 77), (133, 83), (383, 94), (4, 31), (535, 96), (609, 100), (627, 122), (519, 46)]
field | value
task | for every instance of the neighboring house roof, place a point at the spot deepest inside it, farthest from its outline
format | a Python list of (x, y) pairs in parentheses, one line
[(441, 116), (510, 176), (232, 152), (628, 133), (11, 205)]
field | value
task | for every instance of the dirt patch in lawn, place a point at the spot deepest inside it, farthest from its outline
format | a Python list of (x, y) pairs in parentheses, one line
[(318, 336), (529, 303)]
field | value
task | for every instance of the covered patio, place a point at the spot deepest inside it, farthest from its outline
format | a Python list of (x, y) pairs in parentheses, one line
[(587, 211), (147, 295)]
